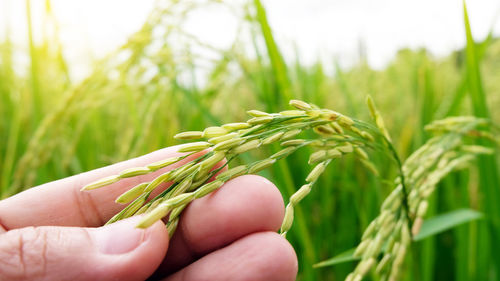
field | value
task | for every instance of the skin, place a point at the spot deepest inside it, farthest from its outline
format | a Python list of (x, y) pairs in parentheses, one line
[(55, 232)]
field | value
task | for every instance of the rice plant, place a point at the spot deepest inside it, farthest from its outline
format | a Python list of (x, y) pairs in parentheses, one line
[(138, 97), (401, 215)]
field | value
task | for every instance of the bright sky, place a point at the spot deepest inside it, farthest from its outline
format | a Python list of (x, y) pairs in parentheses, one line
[(318, 28)]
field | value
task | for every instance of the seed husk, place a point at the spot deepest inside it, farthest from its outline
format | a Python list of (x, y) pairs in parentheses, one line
[(208, 188), (214, 131), (284, 152), (228, 144), (157, 181), (316, 172), (261, 165), (211, 161), (194, 146), (292, 112), (293, 142), (155, 215), (290, 134), (233, 172), (189, 135), (222, 138), (163, 163), (132, 193), (102, 182), (257, 113), (236, 126), (300, 105), (132, 172), (246, 146), (260, 120), (272, 138)]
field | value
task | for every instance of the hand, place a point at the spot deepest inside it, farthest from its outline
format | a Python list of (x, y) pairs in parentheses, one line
[(55, 232)]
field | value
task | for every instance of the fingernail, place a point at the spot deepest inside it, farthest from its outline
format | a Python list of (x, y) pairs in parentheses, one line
[(120, 237)]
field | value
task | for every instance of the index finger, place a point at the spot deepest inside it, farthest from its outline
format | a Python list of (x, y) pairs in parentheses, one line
[(62, 203)]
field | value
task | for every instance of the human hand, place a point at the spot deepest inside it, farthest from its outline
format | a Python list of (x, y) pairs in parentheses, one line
[(55, 232)]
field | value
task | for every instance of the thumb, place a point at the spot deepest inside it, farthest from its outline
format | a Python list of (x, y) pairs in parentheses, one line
[(115, 252)]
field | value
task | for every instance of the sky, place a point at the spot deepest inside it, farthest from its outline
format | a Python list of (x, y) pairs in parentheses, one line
[(384, 26), (318, 29)]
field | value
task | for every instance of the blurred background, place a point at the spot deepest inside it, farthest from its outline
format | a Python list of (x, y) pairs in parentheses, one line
[(85, 84)]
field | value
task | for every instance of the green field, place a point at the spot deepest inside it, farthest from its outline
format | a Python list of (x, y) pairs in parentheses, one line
[(148, 90)]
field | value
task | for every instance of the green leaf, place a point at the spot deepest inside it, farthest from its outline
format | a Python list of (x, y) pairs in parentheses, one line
[(489, 178), (340, 258), (476, 89), (430, 227), (277, 62), (446, 221)]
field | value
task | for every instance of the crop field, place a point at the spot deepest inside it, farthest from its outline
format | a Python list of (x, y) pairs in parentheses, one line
[(137, 98)]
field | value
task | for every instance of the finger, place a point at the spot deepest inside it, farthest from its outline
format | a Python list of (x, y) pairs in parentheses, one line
[(62, 203), (242, 206), (115, 252), (259, 256)]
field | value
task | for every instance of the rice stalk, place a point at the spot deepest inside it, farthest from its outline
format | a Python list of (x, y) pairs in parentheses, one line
[(402, 213)]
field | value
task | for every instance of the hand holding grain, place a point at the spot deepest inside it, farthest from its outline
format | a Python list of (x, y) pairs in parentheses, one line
[(55, 232)]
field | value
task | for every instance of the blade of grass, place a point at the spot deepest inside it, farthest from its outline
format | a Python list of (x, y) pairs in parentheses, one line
[(345, 256), (277, 61), (445, 222), (430, 227), (488, 170)]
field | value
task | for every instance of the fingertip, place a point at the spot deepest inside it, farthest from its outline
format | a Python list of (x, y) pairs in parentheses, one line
[(155, 247), (258, 256), (157, 236), (264, 195), (279, 257), (142, 261), (244, 205)]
